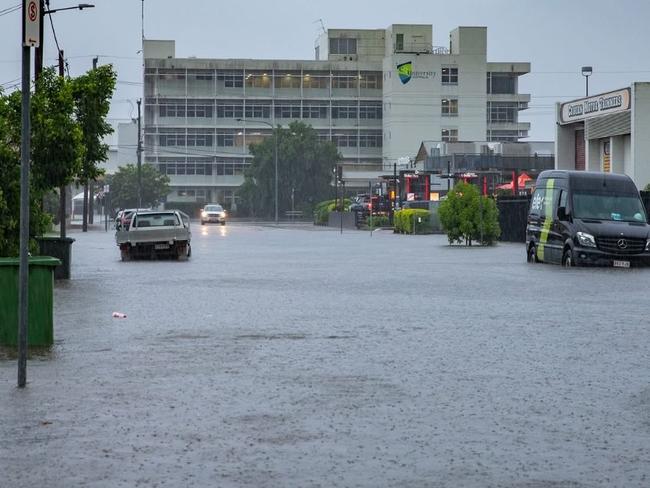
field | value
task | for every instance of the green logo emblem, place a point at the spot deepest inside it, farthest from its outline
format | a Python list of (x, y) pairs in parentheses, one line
[(405, 71)]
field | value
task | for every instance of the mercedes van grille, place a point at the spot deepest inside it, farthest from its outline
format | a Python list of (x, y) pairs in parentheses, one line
[(621, 245)]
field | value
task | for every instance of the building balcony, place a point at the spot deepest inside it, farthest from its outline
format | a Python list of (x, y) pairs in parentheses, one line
[(521, 98), (518, 126), (206, 180)]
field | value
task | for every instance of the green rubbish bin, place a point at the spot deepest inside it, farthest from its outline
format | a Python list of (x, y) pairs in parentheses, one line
[(41, 301)]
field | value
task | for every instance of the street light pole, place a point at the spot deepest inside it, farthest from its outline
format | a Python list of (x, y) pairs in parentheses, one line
[(275, 150), (586, 72), (139, 158)]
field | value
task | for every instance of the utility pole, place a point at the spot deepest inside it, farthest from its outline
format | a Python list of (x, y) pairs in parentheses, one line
[(91, 191), (139, 157), (38, 52), (62, 190)]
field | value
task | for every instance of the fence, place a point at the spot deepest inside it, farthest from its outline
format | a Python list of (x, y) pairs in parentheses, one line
[(513, 215)]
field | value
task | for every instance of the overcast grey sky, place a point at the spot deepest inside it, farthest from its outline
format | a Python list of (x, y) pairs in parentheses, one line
[(556, 36)]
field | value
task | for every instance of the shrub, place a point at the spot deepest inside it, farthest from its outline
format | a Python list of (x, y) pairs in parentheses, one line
[(377, 221), (466, 215), (322, 210), (406, 221)]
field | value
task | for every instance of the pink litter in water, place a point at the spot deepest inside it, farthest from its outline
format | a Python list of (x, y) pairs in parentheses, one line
[(119, 315)]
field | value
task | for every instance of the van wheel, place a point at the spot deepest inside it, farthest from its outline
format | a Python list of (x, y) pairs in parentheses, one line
[(532, 254), (567, 259), (125, 255)]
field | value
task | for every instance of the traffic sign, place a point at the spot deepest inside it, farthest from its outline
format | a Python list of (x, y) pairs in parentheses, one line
[(31, 23)]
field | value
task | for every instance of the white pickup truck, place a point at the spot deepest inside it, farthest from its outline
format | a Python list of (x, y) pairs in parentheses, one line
[(156, 233)]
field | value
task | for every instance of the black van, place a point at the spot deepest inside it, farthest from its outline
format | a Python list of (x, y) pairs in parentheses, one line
[(583, 218)]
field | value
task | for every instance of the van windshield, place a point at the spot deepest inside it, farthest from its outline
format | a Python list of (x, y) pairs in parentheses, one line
[(608, 206)]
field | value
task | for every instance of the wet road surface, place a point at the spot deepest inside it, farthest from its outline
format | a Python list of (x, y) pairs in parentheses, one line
[(300, 357)]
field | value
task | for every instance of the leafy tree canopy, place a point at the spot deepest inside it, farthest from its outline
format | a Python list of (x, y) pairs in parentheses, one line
[(305, 166), (466, 215), (124, 186)]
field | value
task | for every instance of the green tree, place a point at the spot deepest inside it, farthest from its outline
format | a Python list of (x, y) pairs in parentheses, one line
[(92, 93), (305, 166), (124, 186), (10, 127), (57, 149), (466, 215)]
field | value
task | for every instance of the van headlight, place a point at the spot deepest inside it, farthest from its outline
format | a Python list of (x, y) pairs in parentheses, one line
[(586, 240)]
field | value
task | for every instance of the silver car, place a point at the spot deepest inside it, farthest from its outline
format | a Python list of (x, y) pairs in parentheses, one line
[(213, 213)]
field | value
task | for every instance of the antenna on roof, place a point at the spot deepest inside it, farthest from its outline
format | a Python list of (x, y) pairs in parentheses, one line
[(322, 25)]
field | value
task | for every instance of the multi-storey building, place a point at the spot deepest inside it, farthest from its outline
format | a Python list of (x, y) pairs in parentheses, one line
[(375, 93)]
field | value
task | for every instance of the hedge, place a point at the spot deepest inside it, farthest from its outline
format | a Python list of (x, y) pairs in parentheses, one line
[(406, 221)]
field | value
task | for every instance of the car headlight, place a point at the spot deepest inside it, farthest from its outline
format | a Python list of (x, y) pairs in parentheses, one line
[(204, 214), (647, 245), (586, 240)]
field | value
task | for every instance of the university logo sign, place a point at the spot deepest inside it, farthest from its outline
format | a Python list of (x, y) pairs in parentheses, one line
[(405, 71)]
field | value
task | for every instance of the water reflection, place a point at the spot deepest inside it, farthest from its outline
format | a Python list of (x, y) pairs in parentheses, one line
[(48, 353)]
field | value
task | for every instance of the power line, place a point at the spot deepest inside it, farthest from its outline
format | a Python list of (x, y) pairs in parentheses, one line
[(10, 10)]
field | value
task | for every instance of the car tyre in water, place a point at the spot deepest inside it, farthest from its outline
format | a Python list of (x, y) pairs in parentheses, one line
[(567, 259), (223, 223), (125, 255), (532, 254), (182, 253)]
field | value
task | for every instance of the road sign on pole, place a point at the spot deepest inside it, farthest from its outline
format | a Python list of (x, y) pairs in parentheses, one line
[(31, 23)]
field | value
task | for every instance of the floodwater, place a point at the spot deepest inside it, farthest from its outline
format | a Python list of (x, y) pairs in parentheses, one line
[(297, 356)]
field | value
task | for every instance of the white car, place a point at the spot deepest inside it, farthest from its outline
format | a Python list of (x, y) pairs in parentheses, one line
[(213, 213)]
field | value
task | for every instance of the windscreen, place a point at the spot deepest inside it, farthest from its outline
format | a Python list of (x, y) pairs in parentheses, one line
[(214, 208), (608, 206), (156, 220)]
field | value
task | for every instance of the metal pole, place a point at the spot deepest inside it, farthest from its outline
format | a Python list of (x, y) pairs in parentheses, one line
[(342, 203), (62, 190), (394, 206), (39, 51), (23, 289), (370, 209), (276, 176), (586, 86), (139, 158)]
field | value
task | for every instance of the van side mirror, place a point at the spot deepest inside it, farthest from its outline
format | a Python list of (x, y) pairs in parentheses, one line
[(562, 213)]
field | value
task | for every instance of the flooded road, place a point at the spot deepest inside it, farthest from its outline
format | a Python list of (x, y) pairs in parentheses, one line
[(301, 357)]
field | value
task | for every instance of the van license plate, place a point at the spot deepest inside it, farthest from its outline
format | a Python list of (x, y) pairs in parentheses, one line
[(166, 246), (621, 264)]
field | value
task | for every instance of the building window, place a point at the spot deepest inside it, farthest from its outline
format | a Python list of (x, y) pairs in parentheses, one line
[(225, 139), (258, 110), (505, 135), (172, 109), (199, 138), (287, 110), (231, 79), (288, 81), (371, 139), (315, 81), (348, 111), (502, 111), (449, 135), (399, 42), (314, 110), (199, 109), (171, 139), (449, 75), (344, 81), (339, 45), (449, 106), (370, 81), (370, 110), (227, 109), (502, 83), (258, 80), (345, 140)]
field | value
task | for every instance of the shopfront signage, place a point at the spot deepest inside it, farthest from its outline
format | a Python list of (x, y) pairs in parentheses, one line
[(604, 104)]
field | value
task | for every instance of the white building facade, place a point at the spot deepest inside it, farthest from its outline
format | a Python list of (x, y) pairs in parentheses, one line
[(375, 93), (608, 132)]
